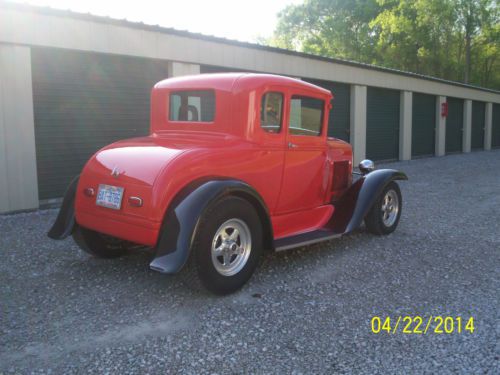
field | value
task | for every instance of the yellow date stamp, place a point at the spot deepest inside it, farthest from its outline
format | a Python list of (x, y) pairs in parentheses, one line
[(418, 325)]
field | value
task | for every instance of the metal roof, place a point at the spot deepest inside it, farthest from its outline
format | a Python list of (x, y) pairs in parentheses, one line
[(168, 30)]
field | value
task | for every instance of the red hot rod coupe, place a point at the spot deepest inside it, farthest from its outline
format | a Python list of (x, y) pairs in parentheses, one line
[(234, 164)]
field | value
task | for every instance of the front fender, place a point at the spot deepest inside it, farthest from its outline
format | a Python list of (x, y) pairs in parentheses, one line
[(65, 221), (182, 218), (355, 203)]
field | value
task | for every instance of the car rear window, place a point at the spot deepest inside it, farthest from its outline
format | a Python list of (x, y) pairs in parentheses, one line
[(192, 106)]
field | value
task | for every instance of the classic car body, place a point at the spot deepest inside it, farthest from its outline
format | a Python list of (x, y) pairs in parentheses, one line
[(261, 138)]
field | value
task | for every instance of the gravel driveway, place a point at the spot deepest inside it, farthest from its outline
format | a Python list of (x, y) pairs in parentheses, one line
[(304, 311)]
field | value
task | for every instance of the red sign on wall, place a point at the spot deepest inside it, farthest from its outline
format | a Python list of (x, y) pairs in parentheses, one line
[(444, 109)]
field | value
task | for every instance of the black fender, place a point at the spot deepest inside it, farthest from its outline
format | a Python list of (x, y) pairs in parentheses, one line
[(182, 218), (354, 204), (65, 221)]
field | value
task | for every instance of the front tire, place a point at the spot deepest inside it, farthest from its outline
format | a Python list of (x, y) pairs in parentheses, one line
[(98, 244), (228, 245), (383, 217)]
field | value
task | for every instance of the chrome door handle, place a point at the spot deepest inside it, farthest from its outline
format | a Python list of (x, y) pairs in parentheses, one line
[(292, 145)]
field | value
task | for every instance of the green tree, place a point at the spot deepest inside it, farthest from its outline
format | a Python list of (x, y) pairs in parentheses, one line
[(478, 26), (471, 15), (451, 39), (412, 35), (445, 38), (337, 28), (486, 57)]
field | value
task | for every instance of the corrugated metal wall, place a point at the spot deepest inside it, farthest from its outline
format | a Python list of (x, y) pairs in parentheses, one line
[(495, 131), (454, 125), (477, 125), (219, 69), (423, 131), (382, 124), (82, 102)]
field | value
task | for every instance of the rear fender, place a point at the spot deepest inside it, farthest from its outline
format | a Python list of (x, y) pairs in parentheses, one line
[(183, 216), (65, 221), (355, 203)]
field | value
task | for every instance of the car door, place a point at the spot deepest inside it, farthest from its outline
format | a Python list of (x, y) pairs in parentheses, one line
[(303, 185)]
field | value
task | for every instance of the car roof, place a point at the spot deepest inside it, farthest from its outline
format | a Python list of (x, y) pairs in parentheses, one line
[(232, 81)]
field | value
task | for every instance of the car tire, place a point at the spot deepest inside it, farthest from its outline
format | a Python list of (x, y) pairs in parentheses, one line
[(383, 217), (98, 244), (227, 247)]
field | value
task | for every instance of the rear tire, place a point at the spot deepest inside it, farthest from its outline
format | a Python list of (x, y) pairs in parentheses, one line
[(227, 247), (383, 217), (98, 244)]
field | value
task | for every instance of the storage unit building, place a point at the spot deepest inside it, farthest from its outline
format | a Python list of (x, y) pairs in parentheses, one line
[(74, 82)]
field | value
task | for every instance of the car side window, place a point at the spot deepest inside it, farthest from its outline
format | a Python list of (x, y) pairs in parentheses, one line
[(271, 111), (306, 115)]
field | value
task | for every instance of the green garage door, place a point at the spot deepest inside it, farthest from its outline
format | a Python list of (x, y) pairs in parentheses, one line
[(339, 119), (423, 132), (83, 101), (454, 125), (219, 69), (382, 124), (477, 130), (495, 131)]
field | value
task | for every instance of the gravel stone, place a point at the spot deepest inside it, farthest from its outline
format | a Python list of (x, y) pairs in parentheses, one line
[(305, 311)]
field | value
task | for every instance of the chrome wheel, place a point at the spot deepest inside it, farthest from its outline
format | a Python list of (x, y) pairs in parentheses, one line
[(390, 208), (231, 247)]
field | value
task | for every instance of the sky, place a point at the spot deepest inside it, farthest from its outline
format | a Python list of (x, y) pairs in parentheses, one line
[(232, 19)]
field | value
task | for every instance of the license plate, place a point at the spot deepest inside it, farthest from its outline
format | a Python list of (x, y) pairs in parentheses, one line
[(109, 196)]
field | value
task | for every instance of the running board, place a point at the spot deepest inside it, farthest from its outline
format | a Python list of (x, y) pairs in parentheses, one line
[(305, 239)]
